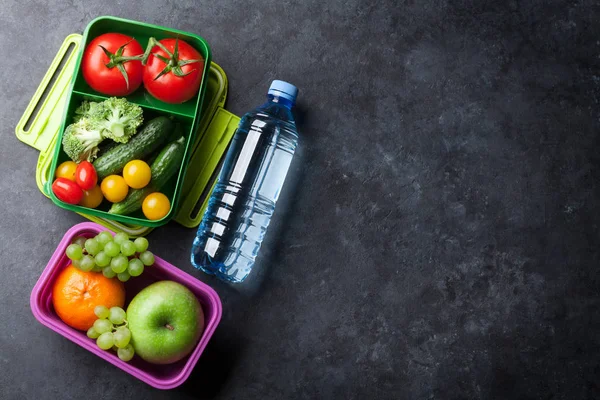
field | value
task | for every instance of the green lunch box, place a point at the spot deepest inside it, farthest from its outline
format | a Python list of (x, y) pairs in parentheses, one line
[(209, 127)]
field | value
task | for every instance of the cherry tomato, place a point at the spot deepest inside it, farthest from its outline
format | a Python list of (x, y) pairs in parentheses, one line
[(66, 170), (92, 198), (114, 188), (85, 175), (103, 70), (67, 191), (137, 174), (156, 206), (179, 81)]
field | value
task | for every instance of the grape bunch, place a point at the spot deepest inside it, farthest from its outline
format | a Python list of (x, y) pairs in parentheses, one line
[(111, 332), (113, 256)]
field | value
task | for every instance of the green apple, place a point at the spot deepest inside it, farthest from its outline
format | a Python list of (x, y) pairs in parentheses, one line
[(166, 321)]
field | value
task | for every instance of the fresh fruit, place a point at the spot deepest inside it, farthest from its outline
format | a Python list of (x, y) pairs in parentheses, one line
[(87, 263), (120, 238), (136, 174), (106, 340), (126, 353), (123, 276), (92, 246), (104, 237), (67, 191), (166, 321), (119, 264), (122, 336), (111, 65), (92, 333), (144, 143), (101, 312), (66, 170), (112, 249), (102, 259), (127, 248), (173, 70), (74, 251), (76, 293), (114, 188), (136, 267), (164, 168), (92, 198), (147, 258), (116, 315), (141, 244), (85, 175), (102, 325), (108, 272), (156, 206), (80, 240)]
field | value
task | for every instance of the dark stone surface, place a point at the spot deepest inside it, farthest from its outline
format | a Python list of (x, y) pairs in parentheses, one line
[(438, 236)]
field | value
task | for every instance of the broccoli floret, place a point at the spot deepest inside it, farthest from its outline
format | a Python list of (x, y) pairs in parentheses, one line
[(81, 140), (117, 119), (87, 109)]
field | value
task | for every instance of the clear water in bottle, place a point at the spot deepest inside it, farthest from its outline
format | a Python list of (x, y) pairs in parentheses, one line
[(244, 198)]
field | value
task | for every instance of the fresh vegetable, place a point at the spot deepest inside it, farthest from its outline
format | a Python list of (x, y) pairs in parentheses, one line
[(137, 174), (92, 198), (173, 70), (114, 188), (164, 167), (156, 206), (66, 170), (85, 175), (113, 118), (111, 64), (67, 191), (117, 119), (150, 138), (81, 140)]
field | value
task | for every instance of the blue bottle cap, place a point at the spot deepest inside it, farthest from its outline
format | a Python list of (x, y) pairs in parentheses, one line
[(283, 89)]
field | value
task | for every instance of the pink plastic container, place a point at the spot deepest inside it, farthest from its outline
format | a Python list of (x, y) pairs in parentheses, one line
[(158, 376)]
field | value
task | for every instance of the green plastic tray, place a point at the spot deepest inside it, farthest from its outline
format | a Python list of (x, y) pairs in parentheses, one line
[(41, 124)]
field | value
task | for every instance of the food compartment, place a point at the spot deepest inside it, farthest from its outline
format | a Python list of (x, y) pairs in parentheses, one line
[(160, 376), (183, 127)]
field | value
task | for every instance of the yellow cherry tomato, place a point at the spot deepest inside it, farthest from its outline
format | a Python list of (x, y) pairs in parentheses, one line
[(137, 174), (92, 198), (114, 188), (66, 170), (156, 206)]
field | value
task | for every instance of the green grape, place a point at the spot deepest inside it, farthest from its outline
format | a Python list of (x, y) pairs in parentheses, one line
[(92, 333), (119, 264), (147, 258), (122, 337), (104, 237), (97, 268), (74, 252), (76, 263), (116, 315), (141, 244), (92, 246), (101, 312), (126, 353), (105, 341), (108, 272), (102, 325), (120, 238), (102, 259), (112, 249), (136, 267), (80, 240), (127, 248), (87, 263), (123, 276)]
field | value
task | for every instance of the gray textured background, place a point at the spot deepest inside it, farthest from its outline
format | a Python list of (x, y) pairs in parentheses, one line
[(438, 235)]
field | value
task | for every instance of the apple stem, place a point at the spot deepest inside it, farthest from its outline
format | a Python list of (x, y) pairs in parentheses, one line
[(169, 327)]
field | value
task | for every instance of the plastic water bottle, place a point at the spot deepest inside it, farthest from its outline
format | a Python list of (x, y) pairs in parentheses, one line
[(243, 201)]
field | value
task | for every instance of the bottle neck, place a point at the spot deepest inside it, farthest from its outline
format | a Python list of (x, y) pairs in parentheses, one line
[(280, 100)]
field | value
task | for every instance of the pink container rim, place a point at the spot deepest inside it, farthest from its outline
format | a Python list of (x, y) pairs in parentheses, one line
[(211, 305)]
